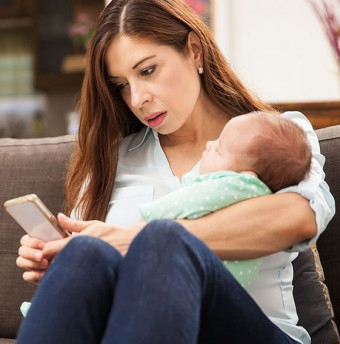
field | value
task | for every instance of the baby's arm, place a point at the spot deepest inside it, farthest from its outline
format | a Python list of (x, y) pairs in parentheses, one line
[(205, 196)]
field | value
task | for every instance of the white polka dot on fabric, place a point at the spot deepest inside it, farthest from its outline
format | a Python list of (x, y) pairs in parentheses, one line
[(207, 198), (201, 208), (241, 273), (222, 197)]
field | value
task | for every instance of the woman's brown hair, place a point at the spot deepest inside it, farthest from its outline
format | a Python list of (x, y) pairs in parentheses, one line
[(105, 119)]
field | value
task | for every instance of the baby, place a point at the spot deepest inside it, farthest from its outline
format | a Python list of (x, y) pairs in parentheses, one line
[(256, 154)]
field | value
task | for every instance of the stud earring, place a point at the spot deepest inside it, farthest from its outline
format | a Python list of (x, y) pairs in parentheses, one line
[(200, 70)]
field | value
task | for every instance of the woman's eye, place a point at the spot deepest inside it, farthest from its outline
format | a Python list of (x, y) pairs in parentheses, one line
[(148, 71), (120, 87)]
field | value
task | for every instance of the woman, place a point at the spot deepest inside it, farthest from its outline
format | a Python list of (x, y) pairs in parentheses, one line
[(156, 89)]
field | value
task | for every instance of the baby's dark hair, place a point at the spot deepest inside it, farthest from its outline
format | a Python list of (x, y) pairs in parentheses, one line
[(282, 152)]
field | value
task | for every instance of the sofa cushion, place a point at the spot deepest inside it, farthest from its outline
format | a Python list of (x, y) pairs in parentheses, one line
[(6, 341), (27, 166), (312, 299)]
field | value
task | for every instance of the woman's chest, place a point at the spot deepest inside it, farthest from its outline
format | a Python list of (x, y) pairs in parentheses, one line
[(144, 174)]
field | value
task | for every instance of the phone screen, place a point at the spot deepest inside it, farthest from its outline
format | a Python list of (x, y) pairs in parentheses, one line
[(35, 219)]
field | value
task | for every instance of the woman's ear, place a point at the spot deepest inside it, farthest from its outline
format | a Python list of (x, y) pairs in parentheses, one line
[(195, 49)]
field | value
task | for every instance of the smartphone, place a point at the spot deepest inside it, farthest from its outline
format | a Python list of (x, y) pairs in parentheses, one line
[(35, 218)]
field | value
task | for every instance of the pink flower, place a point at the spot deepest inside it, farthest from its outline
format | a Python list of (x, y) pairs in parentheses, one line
[(330, 20), (81, 30), (198, 6), (82, 17)]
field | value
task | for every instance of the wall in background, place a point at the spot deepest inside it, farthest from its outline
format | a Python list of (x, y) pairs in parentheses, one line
[(278, 48)]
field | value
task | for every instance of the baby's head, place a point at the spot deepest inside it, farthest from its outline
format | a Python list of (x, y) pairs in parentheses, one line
[(266, 144)]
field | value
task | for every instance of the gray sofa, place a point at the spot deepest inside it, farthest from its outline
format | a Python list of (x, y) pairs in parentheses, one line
[(39, 165)]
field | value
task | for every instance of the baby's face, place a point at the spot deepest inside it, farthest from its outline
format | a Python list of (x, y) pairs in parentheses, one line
[(230, 151)]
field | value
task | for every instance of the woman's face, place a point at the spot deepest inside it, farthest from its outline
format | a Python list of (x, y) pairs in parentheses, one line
[(159, 85)]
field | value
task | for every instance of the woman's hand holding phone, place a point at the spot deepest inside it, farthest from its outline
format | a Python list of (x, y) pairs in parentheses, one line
[(118, 237), (35, 255), (31, 258)]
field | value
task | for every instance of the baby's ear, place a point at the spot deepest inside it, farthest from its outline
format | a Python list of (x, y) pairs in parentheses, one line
[(249, 172)]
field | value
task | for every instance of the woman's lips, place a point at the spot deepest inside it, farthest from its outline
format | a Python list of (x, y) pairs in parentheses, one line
[(156, 120)]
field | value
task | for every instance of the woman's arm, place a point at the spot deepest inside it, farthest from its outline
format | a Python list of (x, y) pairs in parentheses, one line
[(291, 219), (256, 227), (248, 229)]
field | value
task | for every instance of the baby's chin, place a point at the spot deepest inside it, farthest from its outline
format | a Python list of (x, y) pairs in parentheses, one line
[(205, 170), (202, 170)]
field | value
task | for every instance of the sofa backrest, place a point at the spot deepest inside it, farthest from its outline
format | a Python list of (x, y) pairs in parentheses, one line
[(26, 166)]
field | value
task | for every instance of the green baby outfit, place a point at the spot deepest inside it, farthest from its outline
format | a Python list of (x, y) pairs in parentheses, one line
[(204, 194)]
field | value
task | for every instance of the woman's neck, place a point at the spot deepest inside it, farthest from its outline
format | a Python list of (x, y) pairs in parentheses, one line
[(198, 129), (184, 147)]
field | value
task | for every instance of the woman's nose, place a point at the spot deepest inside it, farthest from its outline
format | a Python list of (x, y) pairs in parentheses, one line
[(139, 96)]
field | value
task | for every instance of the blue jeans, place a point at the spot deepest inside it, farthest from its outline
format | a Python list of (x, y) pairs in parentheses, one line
[(168, 289)]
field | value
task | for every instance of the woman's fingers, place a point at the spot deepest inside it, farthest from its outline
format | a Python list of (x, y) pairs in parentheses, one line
[(28, 241), (28, 264), (33, 276), (30, 253), (52, 248), (73, 225), (31, 258)]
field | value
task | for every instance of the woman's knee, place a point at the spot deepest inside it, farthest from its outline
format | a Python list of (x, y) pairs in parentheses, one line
[(165, 237), (163, 232), (86, 248)]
